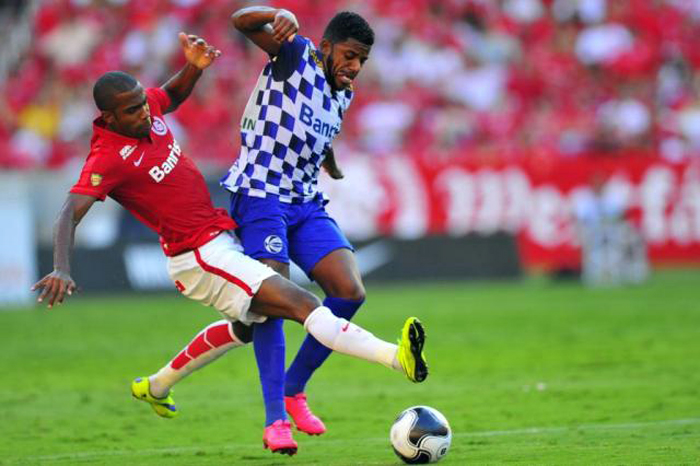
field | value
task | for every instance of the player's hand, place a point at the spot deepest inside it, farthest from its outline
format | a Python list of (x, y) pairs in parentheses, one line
[(54, 287), (285, 26), (197, 52), (333, 170)]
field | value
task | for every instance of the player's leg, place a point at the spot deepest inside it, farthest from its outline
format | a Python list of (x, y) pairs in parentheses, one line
[(262, 232), (243, 289), (219, 275), (209, 344), (278, 297), (338, 276), (323, 252), (269, 347)]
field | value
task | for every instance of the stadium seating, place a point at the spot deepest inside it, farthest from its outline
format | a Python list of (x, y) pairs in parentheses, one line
[(487, 81)]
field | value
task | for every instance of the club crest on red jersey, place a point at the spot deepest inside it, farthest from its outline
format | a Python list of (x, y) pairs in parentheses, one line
[(95, 179), (158, 126)]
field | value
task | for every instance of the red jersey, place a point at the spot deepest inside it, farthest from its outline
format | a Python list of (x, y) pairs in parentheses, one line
[(153, 180)]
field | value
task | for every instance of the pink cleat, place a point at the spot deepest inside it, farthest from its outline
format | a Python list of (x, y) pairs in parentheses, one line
[(303, 417), (278, 438)]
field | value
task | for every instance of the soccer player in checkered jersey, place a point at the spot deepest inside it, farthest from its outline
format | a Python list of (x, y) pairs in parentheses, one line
[(292, 116), (287, 128), (135, 160)]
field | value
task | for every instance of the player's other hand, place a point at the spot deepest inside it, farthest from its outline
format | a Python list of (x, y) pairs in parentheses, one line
[(285, 26), (54, 287), (197, 52)]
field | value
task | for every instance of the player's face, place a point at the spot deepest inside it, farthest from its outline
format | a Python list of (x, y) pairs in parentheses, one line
[(131, 116), (344, 61)]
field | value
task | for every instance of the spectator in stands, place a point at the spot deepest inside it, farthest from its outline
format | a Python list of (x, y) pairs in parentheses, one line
[(488, 75)]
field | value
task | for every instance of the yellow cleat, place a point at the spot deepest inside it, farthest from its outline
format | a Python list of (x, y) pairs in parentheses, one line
[(164, 407), (410, 353)]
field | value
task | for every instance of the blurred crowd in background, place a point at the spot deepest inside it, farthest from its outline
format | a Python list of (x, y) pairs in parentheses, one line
[(482, 80)]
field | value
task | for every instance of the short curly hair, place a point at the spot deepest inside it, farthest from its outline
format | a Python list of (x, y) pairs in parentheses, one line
[(348, 25), (109, 85)]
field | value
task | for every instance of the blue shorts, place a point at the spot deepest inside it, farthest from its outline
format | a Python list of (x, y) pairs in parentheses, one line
[(270, 229)]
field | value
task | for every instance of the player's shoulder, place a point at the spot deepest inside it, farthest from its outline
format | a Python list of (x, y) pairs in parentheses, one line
[(102, 141), (154, 93), (158, 100), (314, 54), (305, 41), (106, 150), (302, 42), (296, 48), (289, 56)]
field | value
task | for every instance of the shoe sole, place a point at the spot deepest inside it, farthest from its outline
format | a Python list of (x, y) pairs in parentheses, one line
[(168, 414), (291, 451), (309, 433), (312, 434), (416, 336)]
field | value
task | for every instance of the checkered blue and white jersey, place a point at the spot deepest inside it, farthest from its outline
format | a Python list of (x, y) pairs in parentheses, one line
[(291, 118)]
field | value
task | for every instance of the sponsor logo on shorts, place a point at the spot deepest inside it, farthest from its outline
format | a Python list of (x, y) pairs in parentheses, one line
[(274, 244), (159, 127)]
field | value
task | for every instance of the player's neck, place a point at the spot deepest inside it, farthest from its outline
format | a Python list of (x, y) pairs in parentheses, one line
[(112, 129)]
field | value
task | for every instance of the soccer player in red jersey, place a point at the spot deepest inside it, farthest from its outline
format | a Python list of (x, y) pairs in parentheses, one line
[(135, 160)]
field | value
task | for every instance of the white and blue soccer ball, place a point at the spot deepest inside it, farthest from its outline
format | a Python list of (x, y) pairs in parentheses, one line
[(421, 434)]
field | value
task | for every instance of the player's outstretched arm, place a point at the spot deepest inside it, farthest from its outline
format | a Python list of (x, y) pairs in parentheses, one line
[(199, 56), (56, 285), (267, 27)]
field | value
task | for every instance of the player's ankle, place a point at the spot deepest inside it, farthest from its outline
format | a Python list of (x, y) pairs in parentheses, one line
[(269, 422), (396, 364), (156, 389), (291, 392)]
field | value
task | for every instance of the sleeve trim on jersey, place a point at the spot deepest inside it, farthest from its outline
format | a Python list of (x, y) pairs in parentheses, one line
[(88, 192)]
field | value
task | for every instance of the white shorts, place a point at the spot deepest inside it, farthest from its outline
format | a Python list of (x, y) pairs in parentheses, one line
[(218, 274)]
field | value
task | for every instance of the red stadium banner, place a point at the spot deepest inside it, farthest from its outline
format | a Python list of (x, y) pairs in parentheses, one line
[(410, 197)]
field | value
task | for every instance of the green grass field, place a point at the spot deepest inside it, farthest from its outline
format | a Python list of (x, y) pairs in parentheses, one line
[(527, 373)]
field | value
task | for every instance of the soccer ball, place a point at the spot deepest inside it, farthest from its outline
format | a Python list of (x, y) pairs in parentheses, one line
[(421, 434)]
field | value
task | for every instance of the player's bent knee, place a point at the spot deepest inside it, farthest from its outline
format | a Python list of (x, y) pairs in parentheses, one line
[(303, 304), (278, 297), (350, 290), (243, 332)]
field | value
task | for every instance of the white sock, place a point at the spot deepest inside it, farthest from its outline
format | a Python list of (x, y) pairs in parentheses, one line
[(345, 337), (209, 344)]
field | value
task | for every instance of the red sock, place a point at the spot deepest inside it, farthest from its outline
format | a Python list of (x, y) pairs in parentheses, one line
[(209, 344)]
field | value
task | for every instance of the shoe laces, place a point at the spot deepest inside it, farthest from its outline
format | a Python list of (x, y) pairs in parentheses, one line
[(302, 404), (282, 426)]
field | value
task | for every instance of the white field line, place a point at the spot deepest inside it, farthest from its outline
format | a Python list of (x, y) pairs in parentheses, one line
[(353, 441)]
